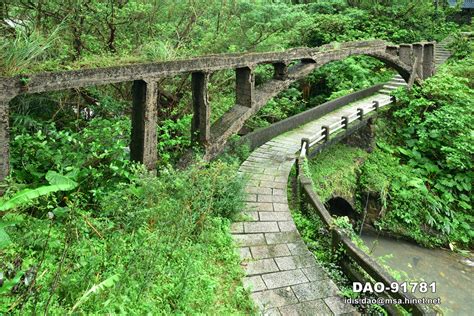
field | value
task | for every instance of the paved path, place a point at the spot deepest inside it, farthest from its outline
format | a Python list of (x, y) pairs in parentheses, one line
[(282, 274), (280, 271)]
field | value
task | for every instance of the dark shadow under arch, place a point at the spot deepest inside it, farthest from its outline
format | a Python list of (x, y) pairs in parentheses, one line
[(338, 206)]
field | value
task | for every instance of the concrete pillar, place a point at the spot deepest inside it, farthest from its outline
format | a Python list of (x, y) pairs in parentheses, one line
[(428, 60), (392, 50), (280, 71), (4, 143), (245, 86), (405, 54), (200, 125), (144, 118), (418, 54)]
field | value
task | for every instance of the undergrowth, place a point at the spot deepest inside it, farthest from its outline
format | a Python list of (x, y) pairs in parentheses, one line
[(162, 245)]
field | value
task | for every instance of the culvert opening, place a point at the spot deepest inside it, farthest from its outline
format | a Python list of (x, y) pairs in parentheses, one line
[(338, 206)]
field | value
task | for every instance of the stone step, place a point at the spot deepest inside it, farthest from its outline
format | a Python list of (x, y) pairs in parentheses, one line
[(397, 83), (390, 87), (384, 91)]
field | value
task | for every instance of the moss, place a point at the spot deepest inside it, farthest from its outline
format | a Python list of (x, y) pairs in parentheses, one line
[(335, 171)]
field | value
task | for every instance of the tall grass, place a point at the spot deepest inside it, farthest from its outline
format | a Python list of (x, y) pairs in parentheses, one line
[(25, 48)]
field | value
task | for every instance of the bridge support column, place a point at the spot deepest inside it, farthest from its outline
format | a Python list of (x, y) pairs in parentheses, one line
[(245, 85), (418, 55), (4, 143), (428, 60), (144, 117), (280, 71), (200, 125)]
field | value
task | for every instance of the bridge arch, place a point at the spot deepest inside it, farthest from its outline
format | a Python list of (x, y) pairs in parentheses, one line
[(411, 61)]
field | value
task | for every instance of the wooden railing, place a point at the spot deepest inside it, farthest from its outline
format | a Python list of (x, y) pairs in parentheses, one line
[(356, 264)]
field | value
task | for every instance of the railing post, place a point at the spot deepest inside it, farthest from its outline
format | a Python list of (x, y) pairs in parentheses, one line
[(360, 113), (428, 60), (244, 86), (405, 54), (280, 71), (345, 121), (392, 50), (326, 132), (200, 125), (303, 181), (418, 54), (376, 105), (335, 244), (305, 141), (144, 116), (4, 143)]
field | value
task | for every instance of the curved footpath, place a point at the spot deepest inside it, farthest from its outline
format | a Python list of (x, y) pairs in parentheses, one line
[(281, 273)]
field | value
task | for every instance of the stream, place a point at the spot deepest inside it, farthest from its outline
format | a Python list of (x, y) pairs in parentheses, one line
[(452, 272)]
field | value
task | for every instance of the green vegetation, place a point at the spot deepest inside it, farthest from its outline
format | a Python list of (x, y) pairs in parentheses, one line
[(158, 245), (85, 230), (335, 171), (421, 171), (55, 35), (424, 159)]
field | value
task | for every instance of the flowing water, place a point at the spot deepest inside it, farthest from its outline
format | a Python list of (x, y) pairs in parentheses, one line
[(452, 272)]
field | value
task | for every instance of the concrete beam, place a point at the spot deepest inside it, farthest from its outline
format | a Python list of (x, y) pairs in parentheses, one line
[(418, 54), (280, 71), (53, 81), (4, 142), (144, 117), (200, 125), (428, 60), (244, 86)]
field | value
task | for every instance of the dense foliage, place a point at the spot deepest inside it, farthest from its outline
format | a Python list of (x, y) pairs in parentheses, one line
[(159, 245), (421, 171), (83, 229), (425, 160)]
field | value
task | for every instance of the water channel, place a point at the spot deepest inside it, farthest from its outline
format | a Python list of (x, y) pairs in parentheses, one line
[(452, 272)]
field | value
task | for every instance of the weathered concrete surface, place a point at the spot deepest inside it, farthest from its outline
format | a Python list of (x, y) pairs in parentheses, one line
[(244, 86), (4, 142), (200, 125), (418, 55), (9, 87), (261, 136), (144, 118), (428, 60), (282, 274)]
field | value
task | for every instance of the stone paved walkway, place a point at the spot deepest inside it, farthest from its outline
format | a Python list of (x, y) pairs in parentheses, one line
[(282, 274)]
